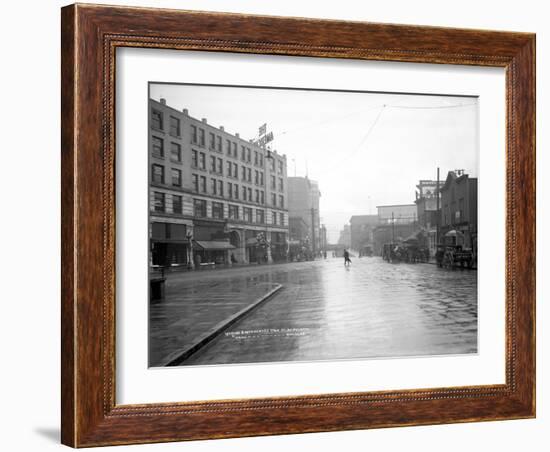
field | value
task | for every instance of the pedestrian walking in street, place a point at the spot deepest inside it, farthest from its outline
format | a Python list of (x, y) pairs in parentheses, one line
[(347, 260)]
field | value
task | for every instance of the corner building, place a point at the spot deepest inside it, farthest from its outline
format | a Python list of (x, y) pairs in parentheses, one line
[(459, 209), (214, 197)]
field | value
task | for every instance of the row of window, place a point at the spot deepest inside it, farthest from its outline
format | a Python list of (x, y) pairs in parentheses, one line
[(162, 231), (157, 122), (234, 191), (235, 212), (274, 184), (198, 137), (232, 170), (215, 142), (159, 203), (199, 161), (157, 175), (158, 149)]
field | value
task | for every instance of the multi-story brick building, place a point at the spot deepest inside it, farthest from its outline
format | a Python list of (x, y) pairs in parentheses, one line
[(214, 197)]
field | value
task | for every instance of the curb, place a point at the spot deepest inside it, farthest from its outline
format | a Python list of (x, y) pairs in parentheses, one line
[(177, 358)]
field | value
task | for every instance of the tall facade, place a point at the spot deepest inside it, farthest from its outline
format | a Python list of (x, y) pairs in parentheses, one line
[(427, 211), (459, 208), (214, 197), (303, 207)]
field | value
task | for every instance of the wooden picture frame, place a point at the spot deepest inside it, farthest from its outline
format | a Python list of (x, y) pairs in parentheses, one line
[(90, 36)]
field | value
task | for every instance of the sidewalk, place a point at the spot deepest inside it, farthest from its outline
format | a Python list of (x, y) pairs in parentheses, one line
[(191, 315), (217, 267)]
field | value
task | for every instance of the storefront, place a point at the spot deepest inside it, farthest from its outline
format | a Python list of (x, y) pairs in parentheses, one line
[(279, 246), (169, 244), (254, 252), (210, 244), (212, 252), (299, 250)]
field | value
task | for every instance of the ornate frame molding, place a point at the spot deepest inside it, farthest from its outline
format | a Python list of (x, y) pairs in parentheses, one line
[(90, 37)]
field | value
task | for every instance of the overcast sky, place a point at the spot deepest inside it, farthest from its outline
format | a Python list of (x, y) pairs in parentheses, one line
[(364, 149)]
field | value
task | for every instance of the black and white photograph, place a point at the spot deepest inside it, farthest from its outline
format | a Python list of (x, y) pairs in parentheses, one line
[(276, 226), (301, 225)]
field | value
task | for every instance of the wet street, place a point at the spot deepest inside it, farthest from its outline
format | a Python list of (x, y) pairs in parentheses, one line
[(323, 311)]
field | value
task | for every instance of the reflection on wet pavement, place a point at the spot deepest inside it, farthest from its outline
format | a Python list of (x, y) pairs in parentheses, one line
[(326, 311)]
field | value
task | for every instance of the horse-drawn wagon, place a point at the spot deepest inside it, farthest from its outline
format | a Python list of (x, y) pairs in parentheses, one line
[(450, 256)]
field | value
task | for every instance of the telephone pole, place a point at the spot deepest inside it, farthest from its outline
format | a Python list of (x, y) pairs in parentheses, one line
[(313, 248), (438, 215), (392, 228)]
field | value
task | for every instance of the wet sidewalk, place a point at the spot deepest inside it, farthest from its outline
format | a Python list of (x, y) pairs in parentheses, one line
[(193, 314)]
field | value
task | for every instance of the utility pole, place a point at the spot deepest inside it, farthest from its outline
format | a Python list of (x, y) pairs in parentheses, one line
[(313, 231), (265, 137), (392, 228), (438, 219)]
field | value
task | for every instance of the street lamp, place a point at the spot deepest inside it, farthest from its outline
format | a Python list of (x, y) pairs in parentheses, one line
[(190, 263), (269, 156)]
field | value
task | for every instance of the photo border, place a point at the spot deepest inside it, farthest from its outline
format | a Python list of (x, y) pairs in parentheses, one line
[(90, 36)]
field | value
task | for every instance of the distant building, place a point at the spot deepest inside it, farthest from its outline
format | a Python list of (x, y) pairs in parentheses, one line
[(345, 237), (396, 223), (214, 197), (397, 214), (361, 230), (323, 238), (427, 213), (459, 208), (303, 207), (316, 198), (426, 203), (299, 230)]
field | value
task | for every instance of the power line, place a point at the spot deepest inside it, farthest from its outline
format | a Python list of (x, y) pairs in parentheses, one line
[(363, 141), (326, 121), (375, 122), (357, 113)]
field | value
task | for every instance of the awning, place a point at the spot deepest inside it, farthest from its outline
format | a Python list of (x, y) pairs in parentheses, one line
[(415, 237), (214, 245), (172, 241), (252, 241), (454, 233)]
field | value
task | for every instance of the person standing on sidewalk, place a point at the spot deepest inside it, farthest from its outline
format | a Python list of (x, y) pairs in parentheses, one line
[(347, 260)]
